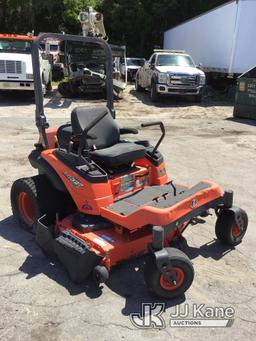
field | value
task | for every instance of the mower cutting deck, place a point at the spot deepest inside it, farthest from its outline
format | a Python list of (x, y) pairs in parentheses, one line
[(100, 199)]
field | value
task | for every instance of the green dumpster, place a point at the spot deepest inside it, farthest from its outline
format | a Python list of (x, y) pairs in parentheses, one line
[(245, 104)]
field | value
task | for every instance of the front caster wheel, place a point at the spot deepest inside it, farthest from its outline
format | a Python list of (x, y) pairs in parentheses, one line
[(179, 279), (231, 226)]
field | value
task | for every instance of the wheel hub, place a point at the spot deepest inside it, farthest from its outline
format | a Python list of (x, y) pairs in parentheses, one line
[(26, 208), (172, 279)]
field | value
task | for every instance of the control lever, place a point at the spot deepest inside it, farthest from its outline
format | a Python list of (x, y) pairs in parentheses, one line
[(161, 125)]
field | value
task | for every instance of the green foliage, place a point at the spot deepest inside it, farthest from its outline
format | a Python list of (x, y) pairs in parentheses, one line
[(70, 23), (21, 16), (138, 24)]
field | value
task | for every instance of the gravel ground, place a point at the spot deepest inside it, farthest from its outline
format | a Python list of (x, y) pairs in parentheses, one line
[(38, 301)]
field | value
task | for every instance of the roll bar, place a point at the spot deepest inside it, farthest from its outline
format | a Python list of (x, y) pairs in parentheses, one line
[(40, 118)]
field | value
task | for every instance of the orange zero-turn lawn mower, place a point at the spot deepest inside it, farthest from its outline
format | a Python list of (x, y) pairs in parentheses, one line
[(99, 199)]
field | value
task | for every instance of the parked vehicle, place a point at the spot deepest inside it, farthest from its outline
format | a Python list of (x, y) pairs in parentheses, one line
[(16, 71), (53, 47), (84, 64), (170, 73), (131, 66), (245, 102), (221, 40)]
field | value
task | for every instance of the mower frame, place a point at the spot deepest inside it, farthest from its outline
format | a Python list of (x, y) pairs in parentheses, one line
[(114, 215)]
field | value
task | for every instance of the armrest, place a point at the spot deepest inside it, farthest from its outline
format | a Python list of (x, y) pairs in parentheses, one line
[(128, 131)]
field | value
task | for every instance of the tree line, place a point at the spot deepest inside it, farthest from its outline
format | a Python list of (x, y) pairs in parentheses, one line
[(138, 24)]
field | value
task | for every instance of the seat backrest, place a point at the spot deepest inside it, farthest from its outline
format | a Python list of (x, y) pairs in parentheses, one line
[(106, 130)]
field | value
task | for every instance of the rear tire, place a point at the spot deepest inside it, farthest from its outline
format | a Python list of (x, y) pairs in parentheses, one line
[(57, 73), (183, 271), (66, 90), (33, 197)]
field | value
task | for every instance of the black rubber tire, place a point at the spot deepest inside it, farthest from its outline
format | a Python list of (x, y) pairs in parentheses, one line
[(138, 88), (66, 90), (44, 198), (154, 96), (152, 274), (100, 274), (198, 98), (49, 84), (224, 226), (57, 74)]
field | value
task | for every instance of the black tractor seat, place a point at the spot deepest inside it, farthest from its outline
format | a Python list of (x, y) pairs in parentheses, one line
[(106, 148)]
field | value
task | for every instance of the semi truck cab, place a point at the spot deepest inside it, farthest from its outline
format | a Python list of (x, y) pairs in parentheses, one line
[(16, 72)]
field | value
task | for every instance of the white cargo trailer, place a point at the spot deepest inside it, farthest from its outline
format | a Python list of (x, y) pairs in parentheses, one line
[(221, 40)]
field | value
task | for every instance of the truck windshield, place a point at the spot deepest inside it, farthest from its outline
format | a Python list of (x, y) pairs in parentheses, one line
[(53, 47), (174, 60), (134, 62), (15, 46)]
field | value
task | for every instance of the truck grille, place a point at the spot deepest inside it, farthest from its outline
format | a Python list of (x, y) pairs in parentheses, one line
[(132, 73), (10, 66), (183, 80)]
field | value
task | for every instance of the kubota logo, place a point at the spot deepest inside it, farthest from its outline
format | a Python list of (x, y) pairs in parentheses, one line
[(194, 203), (75, 182)]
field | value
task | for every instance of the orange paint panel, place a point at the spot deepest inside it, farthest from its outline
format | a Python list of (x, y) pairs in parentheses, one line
[(16, 36), (112, 246), (87, 196), (163, 216), (157, 174)]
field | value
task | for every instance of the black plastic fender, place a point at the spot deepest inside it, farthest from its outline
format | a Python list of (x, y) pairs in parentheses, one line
[(163, 260), (43, 167)]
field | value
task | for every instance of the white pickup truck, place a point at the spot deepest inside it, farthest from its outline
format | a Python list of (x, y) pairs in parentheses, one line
[(170, 73), (130, 66), (16, 72)]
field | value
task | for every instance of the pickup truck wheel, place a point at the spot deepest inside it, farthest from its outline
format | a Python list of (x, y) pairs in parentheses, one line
[(153, 93), (138, 88), (198, 98)]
